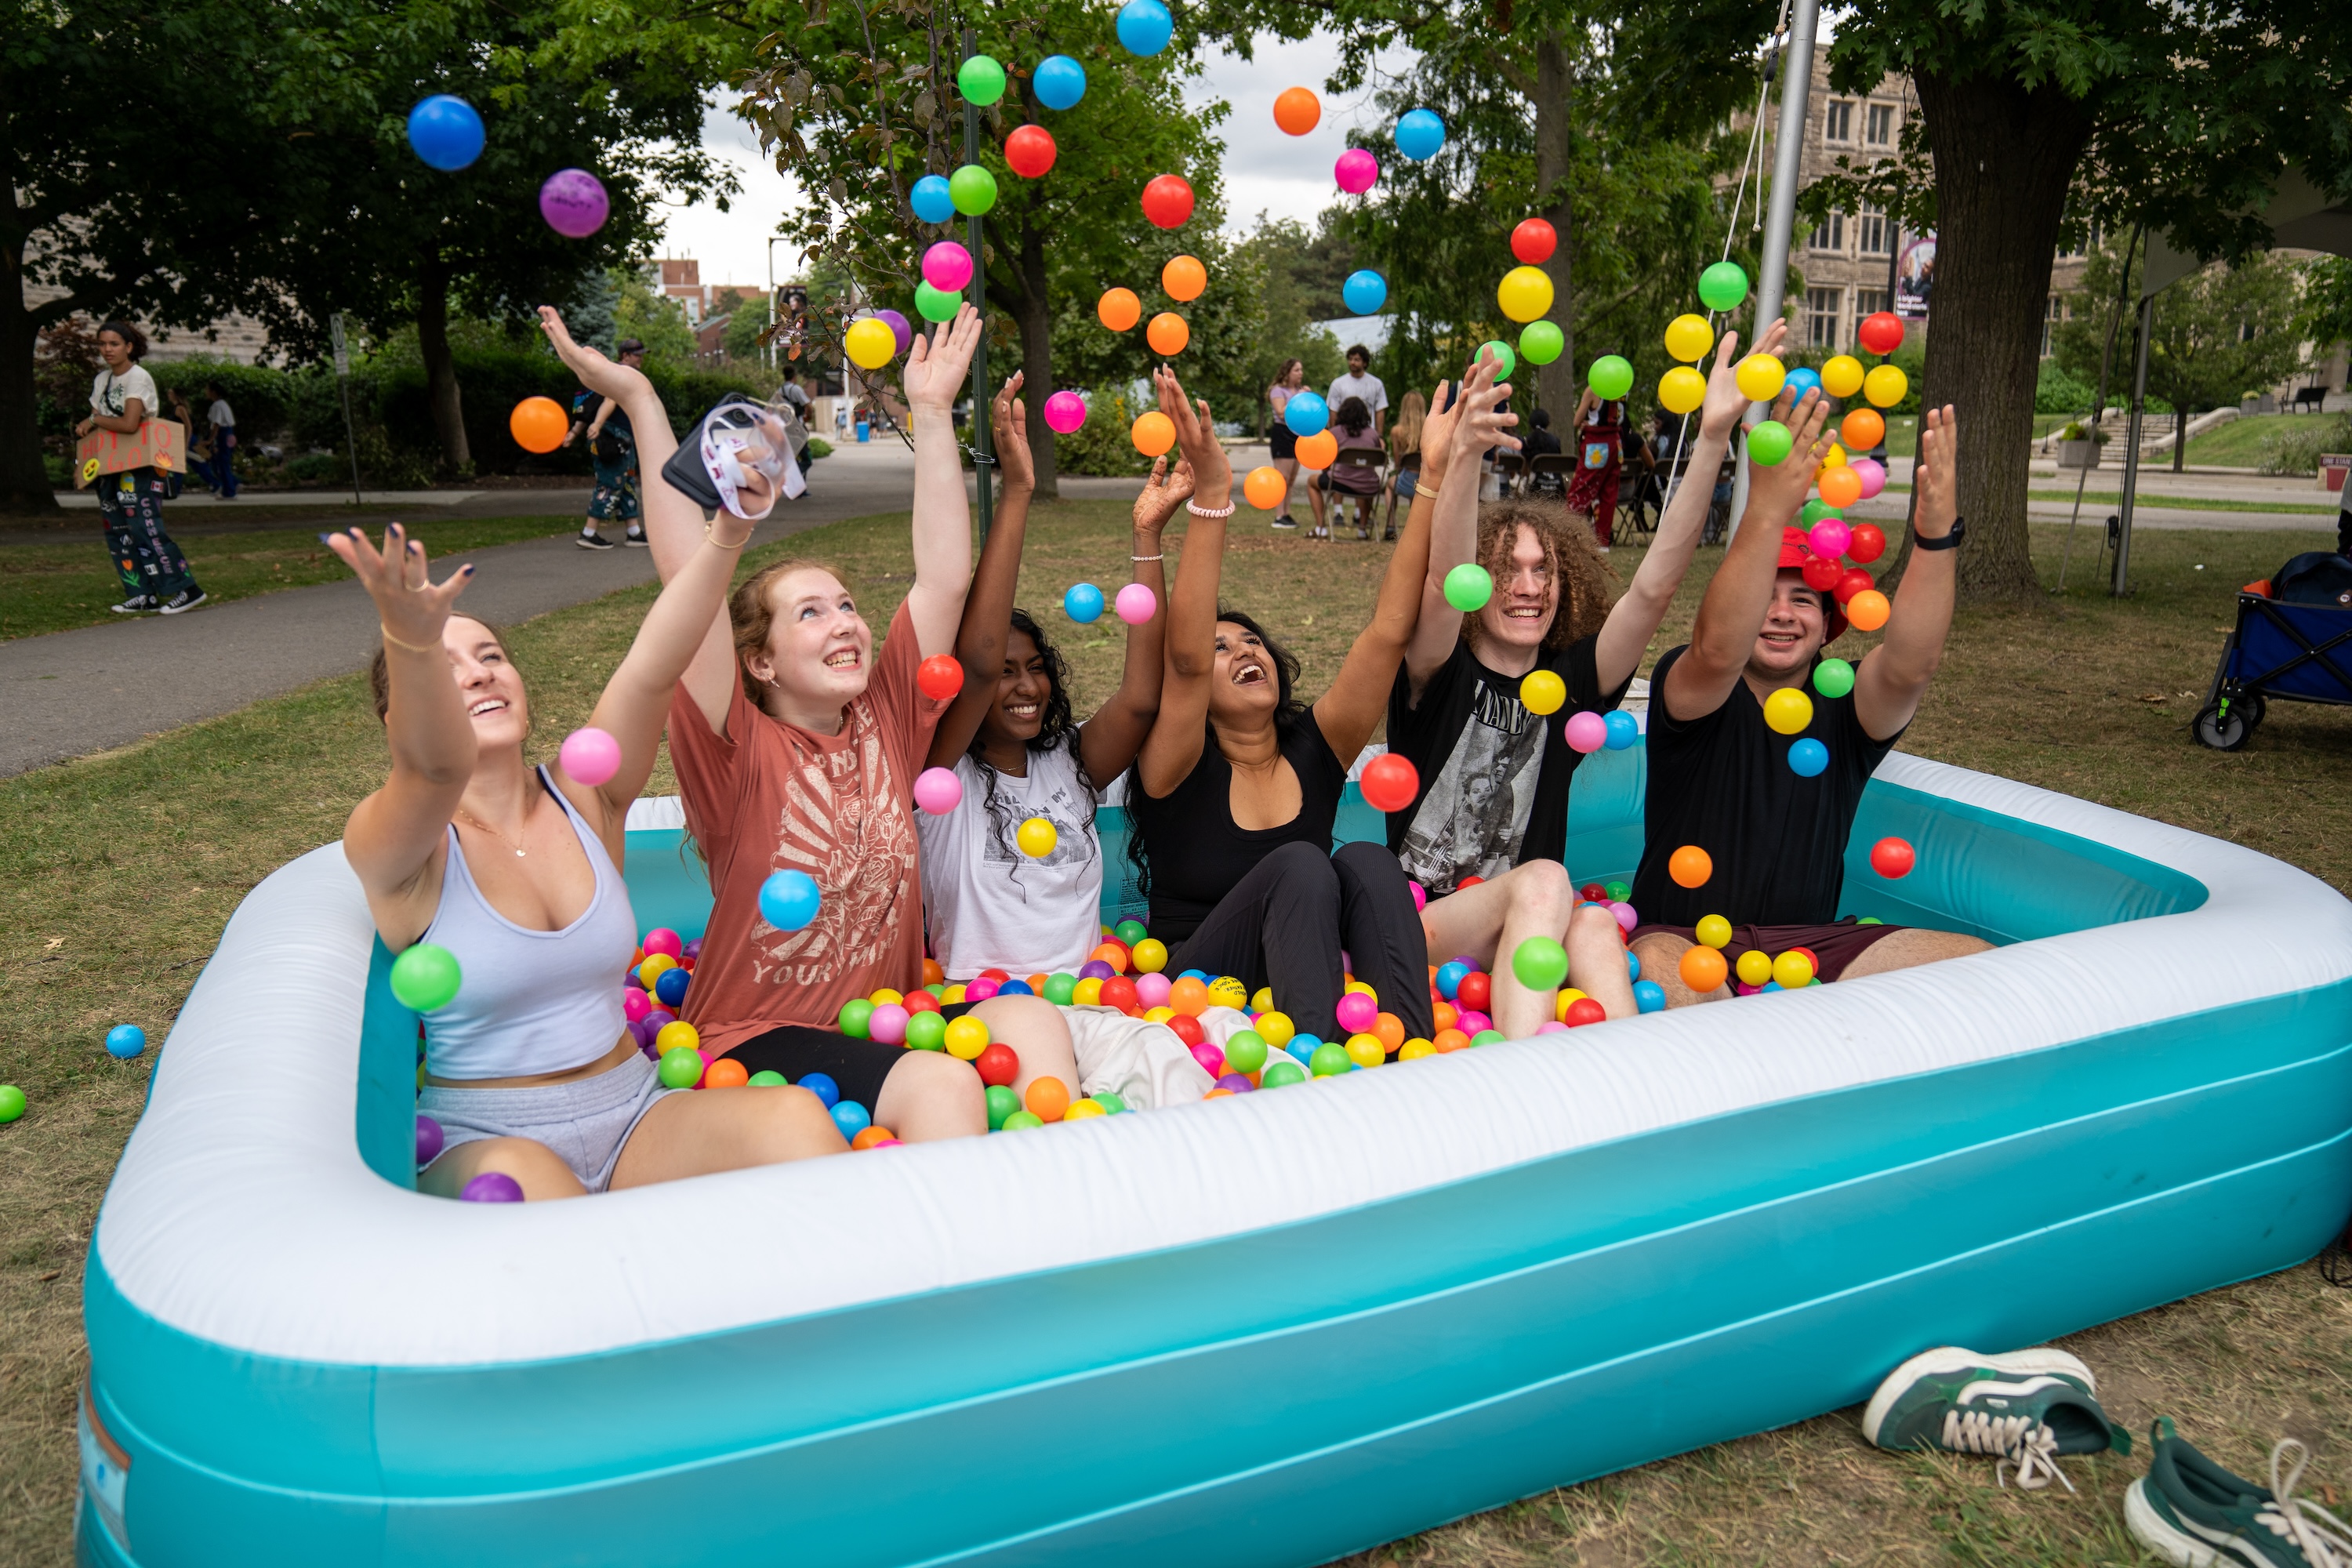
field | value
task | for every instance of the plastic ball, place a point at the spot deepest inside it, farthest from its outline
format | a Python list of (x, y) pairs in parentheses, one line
[(1862, 429), (1130, 931), (1586, 732), (1540, 964), (1281, 1074), (1297, 110), (1476, 991), (1449, 977), (1840, 487), (1167, 201), (1611, 376), (1625, 916), (926, 1031), (1616, 892), (1317, 452), (1584, 1012), (635, 1003), (1880, 332), (1893, 857), (1690, 867), (445, 132), (1135, 604), (936, 790), (1540, 343), (1189, 996), (1020, 1120), (1754, 968), (1420, 134), (766, 1078), (939, 676), (1703, 969), (1525, 293), (1808, 758), (1330, 1059), (1489, 1036), (869, 344), (1868, 544), (1357, 171), (1872, 475), (1275, 1027), (1688, 337), (902, 333), (1722, 286), (574, 204), (1795, 971), (1850, 582), (677, 1035), (126, 1040), (492, 1187), (931, 200), (947, 265), (426, 976), (1543, 693), (1842, 377), (680, 1068), (1770, 443), (1145, 27), (1306, 414), (850, 1117), (1183, 278), (1058, 81), (1047, 1097), (1120, 991), (670, 988), (1266, 488), (935, 304), (430, 1138), (589, 755), (1083, 603), (1227, 992), (1801, 381), (1355, 1012), (1168, 335), (725, 1073), (789, 900), (1885, 385), (972, 189), (1649, 996), (1788, 710), (855, 1015), (537, 424), (886, 1025), (1713, 930), (1151, 956), (821, 1085), (1833, 678), (981, 80), (1468, 587), (1760, 378), (964, 1038), (1364, 292), (1681, 390), (1620, 729), (1389, 783), (1868, 610), (1830, 536), (1365, 1051), (1119, 308), (1036, 838)]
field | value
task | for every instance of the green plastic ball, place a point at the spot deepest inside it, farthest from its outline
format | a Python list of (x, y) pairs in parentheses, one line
[(1112, 1104), (1129, 932), (1329, 1060), (767, 1078), (1619, 891), (1505, 362), (935, 304), (681, 1068), (1812, 512), (424, 977), (1722, 286), (938, 988), (1540, 964), (981, 80), (1001, 1103), (974, 191), (1610, 377), (1245, 1052), (926, 1031), (11, 1102), (857, 1014), (1540, 343), (1768, 444), (1468, 587), (1487, 1038), (1282, 1073), (1833, 678), (1021, 1121), (1870, 920), (1059, 987)]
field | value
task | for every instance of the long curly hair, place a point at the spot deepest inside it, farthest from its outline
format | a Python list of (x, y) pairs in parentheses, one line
[(1587, 586), (1057, 727)]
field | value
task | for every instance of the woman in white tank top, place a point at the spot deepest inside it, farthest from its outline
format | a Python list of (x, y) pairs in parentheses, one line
[(516, 870)]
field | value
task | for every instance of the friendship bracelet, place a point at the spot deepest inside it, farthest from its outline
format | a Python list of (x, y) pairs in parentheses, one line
[(411, 646), (1197, 509), (708, 538), (1422, 489)]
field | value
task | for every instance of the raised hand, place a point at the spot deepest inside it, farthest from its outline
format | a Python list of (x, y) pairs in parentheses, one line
[(1213, 472), (1479, 418), (1164, 493), (936, 367), (597, 374), (411, 606), (1935, 474), (1010, 421)]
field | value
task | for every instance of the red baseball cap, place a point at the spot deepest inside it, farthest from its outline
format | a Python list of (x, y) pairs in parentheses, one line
[(1796, 549)]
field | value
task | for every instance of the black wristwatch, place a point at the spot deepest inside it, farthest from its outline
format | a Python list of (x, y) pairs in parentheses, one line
[(1949, 541)]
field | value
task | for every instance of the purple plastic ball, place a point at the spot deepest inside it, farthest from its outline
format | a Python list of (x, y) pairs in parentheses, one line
[(1096, 969), (898, 329), (692, 948), (1235, 1083), (429, 1140), (492, 1187), (574, 204)]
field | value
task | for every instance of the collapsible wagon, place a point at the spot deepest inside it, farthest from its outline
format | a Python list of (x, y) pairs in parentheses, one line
[(2293, 640)]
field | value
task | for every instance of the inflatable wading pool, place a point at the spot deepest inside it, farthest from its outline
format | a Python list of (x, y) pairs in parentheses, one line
[(1269, 1329)]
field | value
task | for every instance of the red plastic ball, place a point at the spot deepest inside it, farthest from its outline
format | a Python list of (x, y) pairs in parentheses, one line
[(1851, 582), (998, 1065), (1029, 151), (1869, 542), (940, 676), (1593, 893), (920, 1001), (1534, 241), (1119, 991), (1810, 957), (1821, 573), (1476, 991), (1167, 201), (1585, 1010), (1469, 882), (999, 976), (1389, 783), (1893, 857), (1188, 1029), (1881, 334)]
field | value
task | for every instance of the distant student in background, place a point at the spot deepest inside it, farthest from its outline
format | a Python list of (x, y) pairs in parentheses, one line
[(154, 571), (222, 419), (1600, 433), (1288, 382), (612, 447)]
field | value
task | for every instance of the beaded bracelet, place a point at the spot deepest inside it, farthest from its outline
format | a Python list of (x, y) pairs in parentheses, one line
[(1211, 512)]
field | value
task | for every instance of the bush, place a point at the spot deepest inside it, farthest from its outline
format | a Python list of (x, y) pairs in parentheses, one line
[(316, 469), (1102, 445), (262, 397), (2056, 391), (818, 446), (2296, 451)]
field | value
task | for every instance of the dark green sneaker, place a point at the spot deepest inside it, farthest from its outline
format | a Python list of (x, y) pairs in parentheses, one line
[(2191, 1512), (2025, 1407)]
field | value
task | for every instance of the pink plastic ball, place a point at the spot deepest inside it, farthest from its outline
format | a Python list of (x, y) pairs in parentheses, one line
[(1829, 538), (1586, 731), (589, 755), (1552, 1026), (1357, 1012), (947, 267), (1626, 919), (1872, 475), (1471, 1022), (979, 990), (1420, 898), (888, 1025), (1356, 171), (1151, 990), (574, 204), (635, 1003), (1065, 412), (938, 791), (1211, 1059), (1135, 604), (661, 938)]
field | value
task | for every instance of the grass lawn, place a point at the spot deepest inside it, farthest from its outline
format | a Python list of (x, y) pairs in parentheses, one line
[(2081, 694), (2239, 443), (2188, 503), (54, 587)]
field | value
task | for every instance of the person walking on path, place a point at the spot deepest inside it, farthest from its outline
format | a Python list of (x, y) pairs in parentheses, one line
[(1288, 382), (154, 573), (1600, 432), (200, 447), (222, 419), (612, 447)]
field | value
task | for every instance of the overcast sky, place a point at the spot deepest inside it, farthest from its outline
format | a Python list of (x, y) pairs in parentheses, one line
[(1264, 169)]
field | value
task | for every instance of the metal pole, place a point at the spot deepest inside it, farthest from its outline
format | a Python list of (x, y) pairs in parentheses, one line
[(2099, 407), (343, 384), (984, 459), (2131, 456), (1780, 210), (772, 301)]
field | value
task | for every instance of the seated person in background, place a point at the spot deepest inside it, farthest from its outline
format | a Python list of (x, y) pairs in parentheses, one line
[(1404, 450), (1352, 424), (1540, 442), (1719, 776), (1494, 773)]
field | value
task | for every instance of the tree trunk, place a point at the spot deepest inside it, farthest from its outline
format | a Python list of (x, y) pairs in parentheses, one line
[(2179, 436), (1556, 383), (24, 479), (2004, 157), (441, 392), (1033, 313)]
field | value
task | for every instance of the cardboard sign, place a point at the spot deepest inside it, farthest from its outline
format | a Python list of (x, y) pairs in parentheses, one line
[(159, 444)]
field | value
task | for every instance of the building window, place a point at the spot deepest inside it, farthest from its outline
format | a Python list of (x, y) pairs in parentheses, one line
[(1868, 302), (1837, 123), (1831, 236), (2058, 311), (1877, 236), (1822, 306), (1879, 124)]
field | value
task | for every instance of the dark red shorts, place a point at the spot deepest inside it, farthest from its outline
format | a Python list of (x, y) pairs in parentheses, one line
[(1835, 945)]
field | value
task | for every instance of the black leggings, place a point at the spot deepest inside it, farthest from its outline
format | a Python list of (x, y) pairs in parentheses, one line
[(1284, 923), (856, 1066)]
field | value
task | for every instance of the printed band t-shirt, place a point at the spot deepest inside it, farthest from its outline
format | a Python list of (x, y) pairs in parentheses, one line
[(1494, 775), (1723, 782), (989, 905), (768, 796)]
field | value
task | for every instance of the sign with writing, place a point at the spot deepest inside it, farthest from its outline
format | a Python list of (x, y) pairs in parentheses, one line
[(159, 444), (342, 348)]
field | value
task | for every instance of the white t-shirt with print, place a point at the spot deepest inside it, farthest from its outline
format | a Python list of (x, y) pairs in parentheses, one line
[(1366, 386), (988, 905), (110, 393)]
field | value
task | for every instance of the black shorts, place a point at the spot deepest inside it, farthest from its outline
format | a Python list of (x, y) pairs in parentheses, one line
[(856, 1066), (1284, 441)]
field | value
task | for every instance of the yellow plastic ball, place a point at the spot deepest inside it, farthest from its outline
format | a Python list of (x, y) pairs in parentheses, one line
[(1681, 390), (654, 968), (1755, 966), (1356, 984), (1688, 338), (1087, 992), (1084, 1110), (1036, 838), (1228, 991), (1788, 710), (1413, 1050), (1275, 1028), (1834, 458), (1365, 1050), (1713, 930), (1261, 999), (1525, 293), (1151, 955), (951, 995), (871, 343), (675, 1033), (1761, 377), (885, 996), (1569, 997), (1160, 1014), (1795, 971), (1841, 377), (967, 1037), (1543, 693), (1885, 386)]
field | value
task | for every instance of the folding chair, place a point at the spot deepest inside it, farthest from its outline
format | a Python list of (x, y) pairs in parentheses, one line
[(1406, 463)]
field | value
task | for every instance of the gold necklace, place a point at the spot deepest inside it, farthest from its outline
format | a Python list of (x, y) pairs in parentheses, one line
[(495, 833)]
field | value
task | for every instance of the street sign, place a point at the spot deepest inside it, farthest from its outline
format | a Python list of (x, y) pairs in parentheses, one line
[(342, 348)]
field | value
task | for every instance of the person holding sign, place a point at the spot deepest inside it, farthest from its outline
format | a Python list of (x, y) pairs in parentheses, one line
[(154, 573)]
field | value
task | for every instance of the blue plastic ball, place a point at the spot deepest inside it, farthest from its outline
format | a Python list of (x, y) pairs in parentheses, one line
[(930, 200), (1364, 292), (1202, 975), (445, 132), (821, 1084), (1145, 27), (1649, 996), (1769, 985), (789, 900), (1015, 988), (1622, 727), (125, 1040), (1449, 978), (1302, 1046), (1059, 83), (1808, 757), (1420, 134), (1306, 413), (1800, 381), (1083, 603), (850, 1117), (670, 989), (1632, 964)]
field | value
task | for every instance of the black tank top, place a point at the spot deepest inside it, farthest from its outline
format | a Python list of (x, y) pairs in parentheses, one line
[(1198, 853)]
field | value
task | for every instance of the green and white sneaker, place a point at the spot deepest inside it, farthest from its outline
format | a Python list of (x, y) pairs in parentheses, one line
[(2025, 1407), (2191, 1512)]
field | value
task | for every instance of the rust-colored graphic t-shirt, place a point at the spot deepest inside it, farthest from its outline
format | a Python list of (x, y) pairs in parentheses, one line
[(767, 797)]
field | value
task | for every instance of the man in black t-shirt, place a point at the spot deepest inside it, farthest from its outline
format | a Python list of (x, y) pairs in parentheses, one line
[(1720, 776), (1488, 828)]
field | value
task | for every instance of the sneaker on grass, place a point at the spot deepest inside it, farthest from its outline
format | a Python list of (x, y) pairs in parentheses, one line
[(180, 602), (2025, 1407), (2191, 1512), (137, 604)]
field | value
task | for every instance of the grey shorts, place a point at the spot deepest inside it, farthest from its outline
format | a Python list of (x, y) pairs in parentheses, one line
[(586, 1121)]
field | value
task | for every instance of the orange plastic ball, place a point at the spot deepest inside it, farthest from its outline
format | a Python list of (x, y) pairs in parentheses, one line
[(1450, 1040), (1389, 1029), (726, 1073), (1113, 953), (869, 1136), (1868, 610), (1862, 429), (932, 973), (1840, 487), (1183, 278), (1266, 488), (1690, 867), (1118, 309), (1444, 1015), (1298, 110), (1318, 451), (1047, 1099), (537, 424), (1154, 434), (1168, 335), (1703, 969), (1189, 996)]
